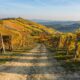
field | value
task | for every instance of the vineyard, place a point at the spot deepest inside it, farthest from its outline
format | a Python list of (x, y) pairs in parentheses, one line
[(66, 49), (23, 33), (20, 34)]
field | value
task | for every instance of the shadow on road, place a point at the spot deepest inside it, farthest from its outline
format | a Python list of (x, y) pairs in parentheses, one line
[(38, 64)]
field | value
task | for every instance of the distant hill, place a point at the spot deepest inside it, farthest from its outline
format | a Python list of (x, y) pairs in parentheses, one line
[(63, 26)]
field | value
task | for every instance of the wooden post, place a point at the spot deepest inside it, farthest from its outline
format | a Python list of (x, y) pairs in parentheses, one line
[(2, 42), (76, 48)]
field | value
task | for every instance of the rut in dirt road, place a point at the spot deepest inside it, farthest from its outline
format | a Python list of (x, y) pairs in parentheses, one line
[(34, 65)]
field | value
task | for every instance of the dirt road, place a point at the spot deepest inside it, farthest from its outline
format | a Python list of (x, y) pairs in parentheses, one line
[(34, 65)]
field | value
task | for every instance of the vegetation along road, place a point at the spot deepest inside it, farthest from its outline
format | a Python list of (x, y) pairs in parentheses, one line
[(34, 65)]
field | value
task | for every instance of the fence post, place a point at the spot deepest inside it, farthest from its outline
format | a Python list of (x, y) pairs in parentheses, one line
[(2, 43)]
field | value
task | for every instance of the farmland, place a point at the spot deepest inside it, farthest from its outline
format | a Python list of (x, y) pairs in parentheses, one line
[(31, 51)]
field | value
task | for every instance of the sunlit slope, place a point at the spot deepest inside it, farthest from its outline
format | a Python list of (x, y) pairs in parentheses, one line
[(35, 26), (16, 36), (20, 24), (23, 31)]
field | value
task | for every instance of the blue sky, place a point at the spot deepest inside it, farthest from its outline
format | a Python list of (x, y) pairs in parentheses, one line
[(41, 9)]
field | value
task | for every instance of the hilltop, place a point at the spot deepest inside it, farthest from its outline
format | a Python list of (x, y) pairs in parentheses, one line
[(20, 24)]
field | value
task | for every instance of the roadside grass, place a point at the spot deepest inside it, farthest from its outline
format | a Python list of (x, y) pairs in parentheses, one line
[(62, 55), (4, 57), (66, 61), (73, 66), (8, 56)]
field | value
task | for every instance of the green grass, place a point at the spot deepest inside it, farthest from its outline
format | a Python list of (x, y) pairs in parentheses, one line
[(5, 60), (66, 61), (5, 57), (72, 66), (63, 57), (8, 56)]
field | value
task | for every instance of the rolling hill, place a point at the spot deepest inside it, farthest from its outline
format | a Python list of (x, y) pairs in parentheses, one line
[(63, 26), (23, 31)]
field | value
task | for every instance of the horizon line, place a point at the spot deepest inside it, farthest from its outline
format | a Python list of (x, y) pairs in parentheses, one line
[(33, 19)]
